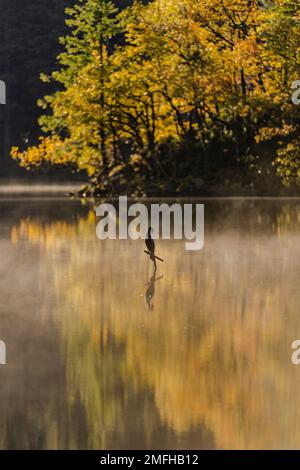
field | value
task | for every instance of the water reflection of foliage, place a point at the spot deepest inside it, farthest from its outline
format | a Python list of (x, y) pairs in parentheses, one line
[(216, 351)]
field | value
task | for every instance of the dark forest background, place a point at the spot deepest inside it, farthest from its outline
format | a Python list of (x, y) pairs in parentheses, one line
[(29, 46)]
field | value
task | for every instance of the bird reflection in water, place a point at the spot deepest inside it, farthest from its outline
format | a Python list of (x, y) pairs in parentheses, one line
[(150, 292)]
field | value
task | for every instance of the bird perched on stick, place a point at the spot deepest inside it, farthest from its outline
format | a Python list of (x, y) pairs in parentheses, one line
[(150, 244)]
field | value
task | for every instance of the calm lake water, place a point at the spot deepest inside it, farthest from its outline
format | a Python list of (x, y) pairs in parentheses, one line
[(91, 366)]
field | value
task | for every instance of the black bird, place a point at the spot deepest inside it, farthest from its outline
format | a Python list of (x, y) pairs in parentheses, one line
[(151, 247), (150, 244)]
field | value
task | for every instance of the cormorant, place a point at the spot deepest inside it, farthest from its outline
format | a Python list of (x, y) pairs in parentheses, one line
[(150, 243)]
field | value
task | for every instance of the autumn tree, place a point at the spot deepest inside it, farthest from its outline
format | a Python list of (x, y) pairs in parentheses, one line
[(76, 128), (193, 92)]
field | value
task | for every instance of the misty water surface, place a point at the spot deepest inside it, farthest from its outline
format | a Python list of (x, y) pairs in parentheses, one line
[(206, 364)]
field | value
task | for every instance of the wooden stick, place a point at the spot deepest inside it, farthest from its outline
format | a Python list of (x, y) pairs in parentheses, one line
[(156, 257)]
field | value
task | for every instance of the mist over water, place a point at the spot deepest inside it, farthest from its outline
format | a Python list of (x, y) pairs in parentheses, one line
[(89, 365), (37, 189)]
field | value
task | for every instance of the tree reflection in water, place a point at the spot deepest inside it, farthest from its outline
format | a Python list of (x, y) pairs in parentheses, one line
[(210, 368)]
